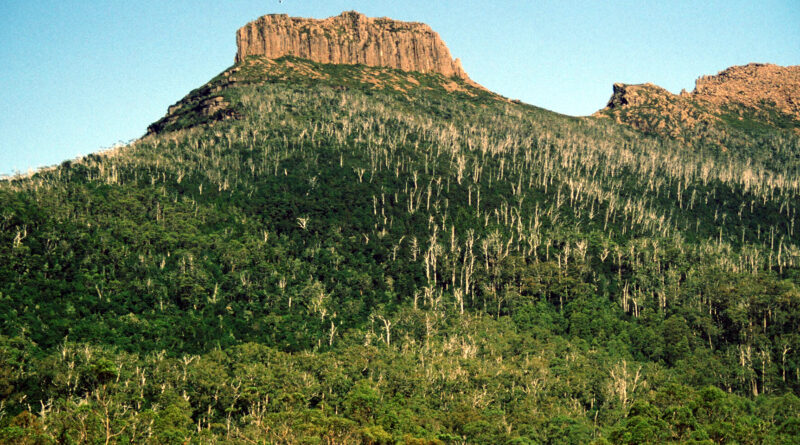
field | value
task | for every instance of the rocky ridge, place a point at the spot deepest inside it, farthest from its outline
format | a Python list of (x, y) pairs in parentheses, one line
[(750, 96), (753, 85), (349, 38)]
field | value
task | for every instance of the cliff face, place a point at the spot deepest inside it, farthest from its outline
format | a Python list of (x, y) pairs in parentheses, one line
[(349, 38)]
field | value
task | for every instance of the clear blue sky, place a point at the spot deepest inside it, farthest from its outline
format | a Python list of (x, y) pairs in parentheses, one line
[(80, 76)]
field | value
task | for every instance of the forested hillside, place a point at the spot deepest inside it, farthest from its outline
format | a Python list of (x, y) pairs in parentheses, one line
[(309, 253)]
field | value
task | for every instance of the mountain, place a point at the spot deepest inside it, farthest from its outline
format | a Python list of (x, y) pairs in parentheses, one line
[(307, 252)]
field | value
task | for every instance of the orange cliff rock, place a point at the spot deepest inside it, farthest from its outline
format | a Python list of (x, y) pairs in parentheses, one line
[(349, 38)]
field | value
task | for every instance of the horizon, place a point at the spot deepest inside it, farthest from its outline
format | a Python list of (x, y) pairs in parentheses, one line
[(102, 73)]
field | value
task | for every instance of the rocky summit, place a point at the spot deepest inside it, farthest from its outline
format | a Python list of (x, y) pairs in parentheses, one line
[(349, 38), (753, 85)]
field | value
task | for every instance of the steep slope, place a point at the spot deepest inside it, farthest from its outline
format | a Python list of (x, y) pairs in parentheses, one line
[(304, 252), (210, 103)]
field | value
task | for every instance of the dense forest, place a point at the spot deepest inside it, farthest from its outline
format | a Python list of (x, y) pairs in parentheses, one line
[(344, 254)]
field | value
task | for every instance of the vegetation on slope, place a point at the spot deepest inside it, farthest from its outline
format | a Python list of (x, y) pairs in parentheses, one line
[(360, 255)]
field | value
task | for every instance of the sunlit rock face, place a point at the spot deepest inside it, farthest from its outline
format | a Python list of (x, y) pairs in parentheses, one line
[(349, 38)]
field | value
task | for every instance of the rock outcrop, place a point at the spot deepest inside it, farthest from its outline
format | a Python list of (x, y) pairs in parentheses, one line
[(753, 96), (626, 95), (753, 85), (349, 38)]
